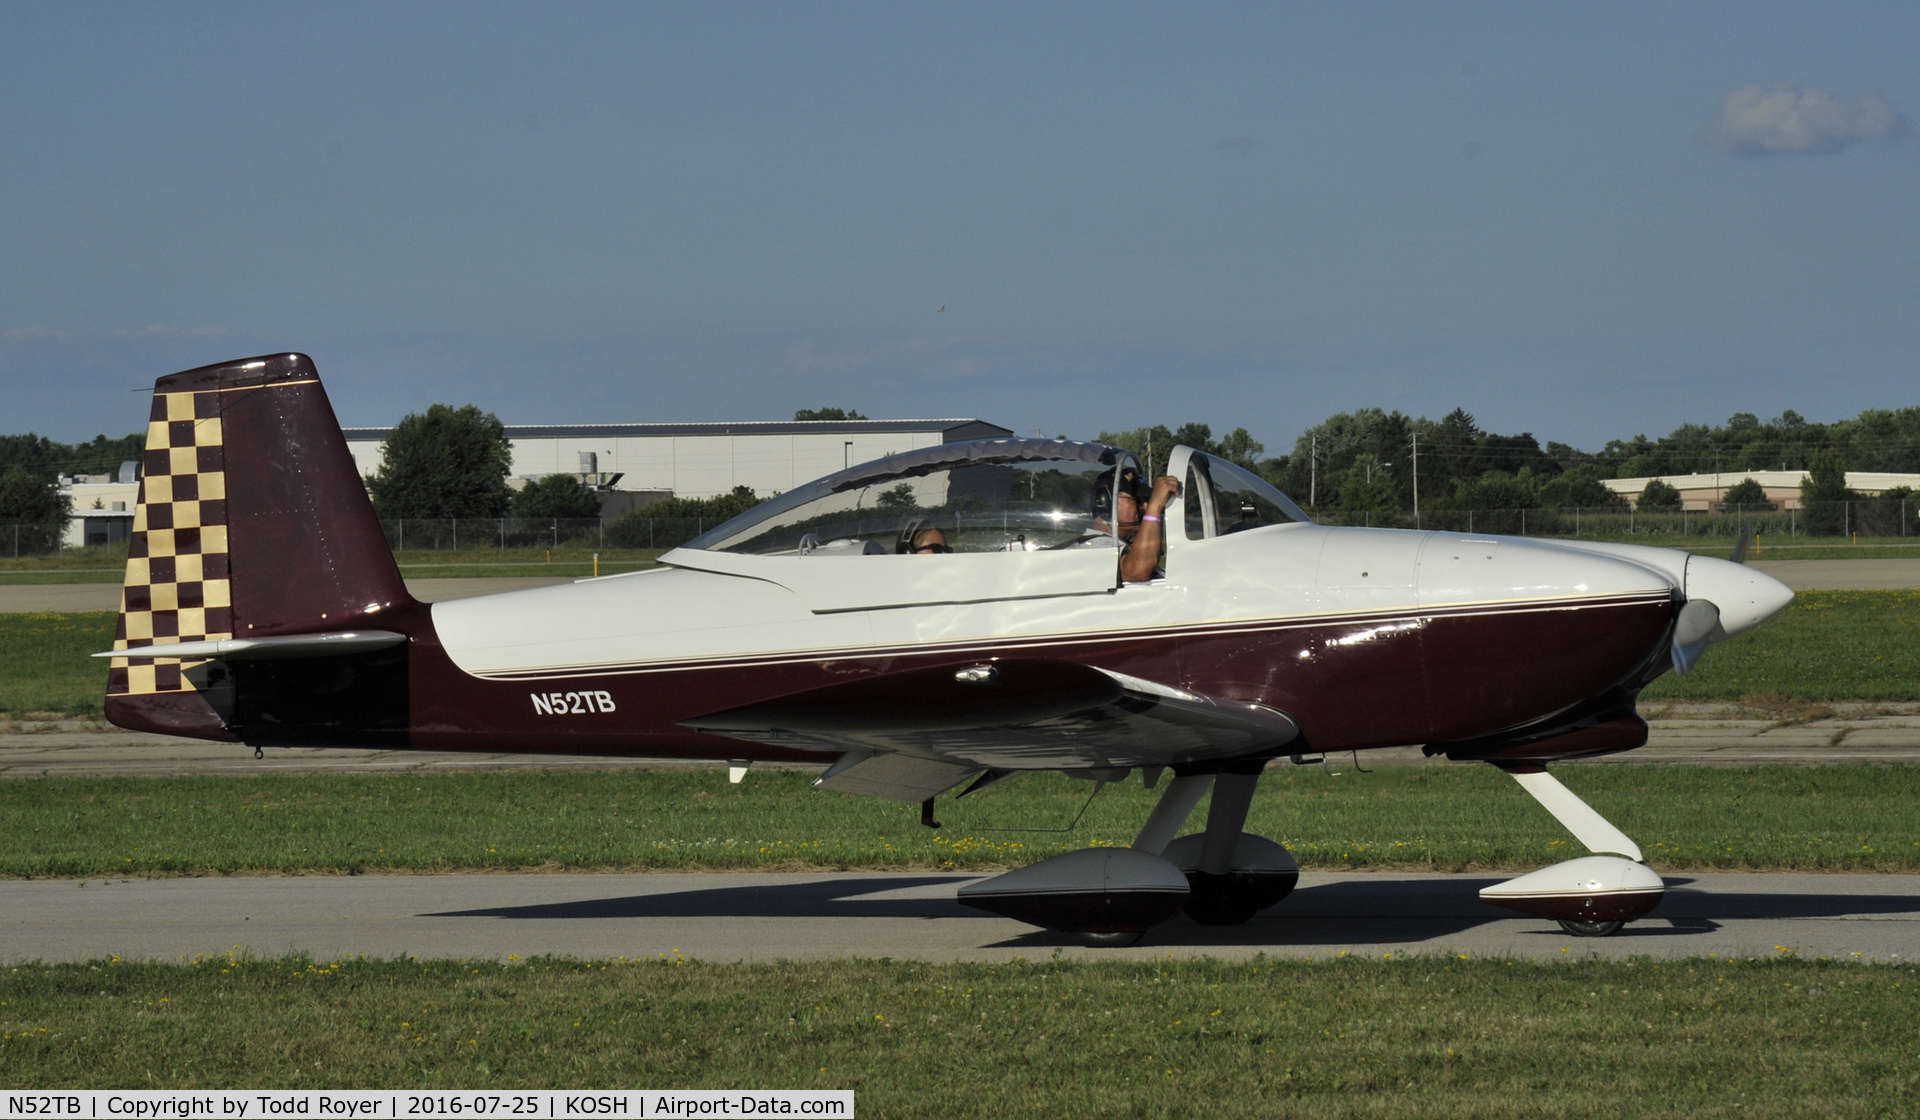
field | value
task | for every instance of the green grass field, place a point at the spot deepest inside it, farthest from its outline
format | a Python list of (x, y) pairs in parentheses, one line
[(1851, 818), (1420, 1037), (1829, 645), (46, 666)]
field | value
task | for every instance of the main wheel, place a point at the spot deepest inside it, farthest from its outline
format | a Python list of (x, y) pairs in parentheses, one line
[(1225, 900), (1591, 929), (1119, 940)]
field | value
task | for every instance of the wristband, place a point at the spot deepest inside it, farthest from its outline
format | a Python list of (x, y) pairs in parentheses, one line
[(1153, 517)]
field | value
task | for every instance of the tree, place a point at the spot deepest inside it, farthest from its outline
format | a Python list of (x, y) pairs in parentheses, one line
[(1581, 488), (1824, 495), (444, 462), (828, 414), (1746, 495), (1368, 488), (1658, 497), (557, 495), (32, 510), (30, 499)]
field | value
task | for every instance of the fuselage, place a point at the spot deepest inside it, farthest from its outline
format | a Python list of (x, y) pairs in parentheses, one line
[(1368, 637)]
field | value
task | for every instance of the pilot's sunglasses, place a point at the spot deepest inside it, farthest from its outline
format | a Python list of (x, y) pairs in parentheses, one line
[(932, 548)]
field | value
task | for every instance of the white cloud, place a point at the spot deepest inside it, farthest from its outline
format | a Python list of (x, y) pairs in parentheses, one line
[(1781, 119)]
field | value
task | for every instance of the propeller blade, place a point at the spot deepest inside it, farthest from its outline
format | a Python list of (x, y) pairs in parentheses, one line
[(1745, 542), (1696, 626)]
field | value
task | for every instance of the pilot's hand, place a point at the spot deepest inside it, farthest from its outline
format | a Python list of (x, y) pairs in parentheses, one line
[(1165, 489)]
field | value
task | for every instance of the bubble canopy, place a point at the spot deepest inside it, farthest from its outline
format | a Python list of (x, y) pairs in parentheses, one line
[(989, 495)]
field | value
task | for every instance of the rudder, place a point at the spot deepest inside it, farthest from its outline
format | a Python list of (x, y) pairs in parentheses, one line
[(251, 522)]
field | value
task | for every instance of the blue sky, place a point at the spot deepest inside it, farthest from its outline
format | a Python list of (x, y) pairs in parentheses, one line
[(1582, 221)]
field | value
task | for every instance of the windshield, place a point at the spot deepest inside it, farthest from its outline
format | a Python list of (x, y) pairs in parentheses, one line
[(982, 496), (1240, 500)]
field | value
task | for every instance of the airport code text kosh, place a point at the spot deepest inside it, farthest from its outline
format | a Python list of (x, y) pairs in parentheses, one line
[(365, 1104)]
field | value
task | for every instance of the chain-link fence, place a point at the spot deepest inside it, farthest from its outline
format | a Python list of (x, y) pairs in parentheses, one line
[(447, 533), (1867, 517), (29, 539)]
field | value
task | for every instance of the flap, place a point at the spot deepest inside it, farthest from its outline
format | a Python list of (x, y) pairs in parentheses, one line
[(897, 777), (1020, 715)]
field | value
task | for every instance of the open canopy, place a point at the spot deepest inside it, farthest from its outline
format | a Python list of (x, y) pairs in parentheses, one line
[(988, 495)]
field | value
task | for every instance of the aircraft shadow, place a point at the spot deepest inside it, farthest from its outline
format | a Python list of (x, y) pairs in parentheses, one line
[(1374, 910), (838, 898), (1397, 911)]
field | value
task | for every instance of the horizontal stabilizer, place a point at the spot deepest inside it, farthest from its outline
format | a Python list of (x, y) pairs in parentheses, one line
[(267, 649)]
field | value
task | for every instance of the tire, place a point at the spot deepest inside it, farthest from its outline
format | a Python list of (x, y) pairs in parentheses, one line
[(1119, 940), (1591, 929)]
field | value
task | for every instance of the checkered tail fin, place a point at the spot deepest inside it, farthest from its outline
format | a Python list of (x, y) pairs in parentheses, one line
[(252, 522)]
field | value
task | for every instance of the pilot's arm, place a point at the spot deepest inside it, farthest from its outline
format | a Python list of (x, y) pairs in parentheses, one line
[(1139, 562)]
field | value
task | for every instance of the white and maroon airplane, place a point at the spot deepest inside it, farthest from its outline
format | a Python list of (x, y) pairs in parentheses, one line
[(263, 606)]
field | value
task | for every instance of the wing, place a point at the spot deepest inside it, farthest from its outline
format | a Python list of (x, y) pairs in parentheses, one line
[(933, 727)]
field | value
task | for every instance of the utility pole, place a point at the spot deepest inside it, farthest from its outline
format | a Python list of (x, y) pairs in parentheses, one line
[(1416, 480), (1313, 472)]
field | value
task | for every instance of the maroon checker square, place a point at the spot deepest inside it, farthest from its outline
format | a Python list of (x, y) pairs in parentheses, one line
[(206, 405), (160, 515), (162, 569), (166, 678), (139, 599), (137, 546), (120, 629), (213, 565), (159, 461), (209, 459), (186, 488), (219, 620), (180, 433), (213, 511), (166, 624), (159, 410), (186, 542), (192, 594), (117, 683)]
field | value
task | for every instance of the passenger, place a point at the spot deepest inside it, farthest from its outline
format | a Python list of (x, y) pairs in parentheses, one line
[(921, 539), (930, 541)]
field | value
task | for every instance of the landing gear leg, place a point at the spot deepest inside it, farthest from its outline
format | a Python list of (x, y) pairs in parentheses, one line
[(1218, 898), (1590, 897)]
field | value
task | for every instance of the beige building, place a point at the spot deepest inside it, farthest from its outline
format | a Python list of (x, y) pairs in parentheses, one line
[(703, 460), (1709, 491)]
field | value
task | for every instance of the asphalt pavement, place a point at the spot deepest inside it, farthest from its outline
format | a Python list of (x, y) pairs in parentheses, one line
[(762, 917)]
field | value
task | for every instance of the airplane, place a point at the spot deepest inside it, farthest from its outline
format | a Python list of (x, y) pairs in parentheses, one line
[(262, 606)]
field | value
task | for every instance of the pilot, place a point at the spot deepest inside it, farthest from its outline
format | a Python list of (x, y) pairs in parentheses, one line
[(1138, 513), (922, 539)]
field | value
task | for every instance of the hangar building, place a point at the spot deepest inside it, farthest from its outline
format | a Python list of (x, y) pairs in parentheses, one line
[(703, 460)]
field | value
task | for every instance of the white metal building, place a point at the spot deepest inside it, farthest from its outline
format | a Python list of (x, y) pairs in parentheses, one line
[(704, 460), (1708, 491)]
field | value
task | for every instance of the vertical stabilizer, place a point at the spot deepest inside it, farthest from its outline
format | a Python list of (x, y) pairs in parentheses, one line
[(252, 522)]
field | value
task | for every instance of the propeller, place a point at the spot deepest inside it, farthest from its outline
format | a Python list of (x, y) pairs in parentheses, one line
[(1695, 627), (1744, 542), (1699, 621)]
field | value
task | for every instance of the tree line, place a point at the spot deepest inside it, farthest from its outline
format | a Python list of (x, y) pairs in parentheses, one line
[(454, 462)]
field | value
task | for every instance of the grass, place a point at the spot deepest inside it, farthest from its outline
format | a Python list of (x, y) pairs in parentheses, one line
[(1419, 1037), (107, 564), (1847, 818), (1829, 645), (45, 662)]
